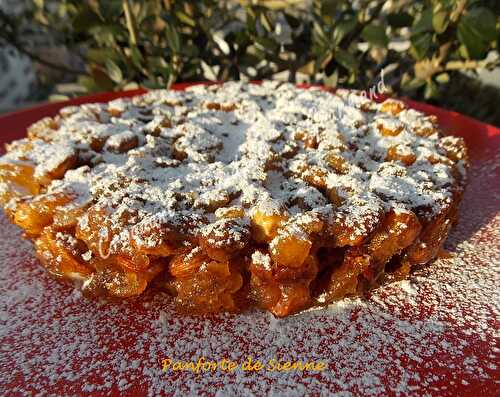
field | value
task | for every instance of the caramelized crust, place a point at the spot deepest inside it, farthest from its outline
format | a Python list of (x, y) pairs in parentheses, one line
[(235, 195)]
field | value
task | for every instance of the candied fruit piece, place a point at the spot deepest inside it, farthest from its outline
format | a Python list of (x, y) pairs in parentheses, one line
[(430, 240), (224, 238), (454, 148), (261, 264), (34, 214), (294, 298), (58, 253), (56, 169), (138, 262), (230, 212), (122, 142), (163, 235), (398, 153), (388, 127), (290, 247), (113, 280), (337, 162), (265, 225), (211, 289), (315, 176), (19, 179), (224, 106), (94, 228), (311, 141), (392, 106), (398, 230), (344, 279), (334, 196), (66, 216), (353, 223), (43, 129), (187, 264), (265, 293)]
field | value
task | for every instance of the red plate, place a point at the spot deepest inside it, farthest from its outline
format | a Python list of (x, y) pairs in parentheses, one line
[(436, 334)]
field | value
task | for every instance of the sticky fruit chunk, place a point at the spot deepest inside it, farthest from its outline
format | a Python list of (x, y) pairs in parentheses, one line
[(398, 153), (353, 223), (224, 238), (398, 231), (294, 297), (56, 169), (43, 129), (388, 127), (290, 247), (66, 217), (211, 289), (392, 106), (97, 229), (35, 214), (113, 280), (295, 288), (161, 235), (59, 253), (19, 180), (430, 240), (188, 263), (344, 280), (265, 224)]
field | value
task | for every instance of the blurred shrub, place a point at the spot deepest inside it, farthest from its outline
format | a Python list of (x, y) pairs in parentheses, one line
[(154, 43)]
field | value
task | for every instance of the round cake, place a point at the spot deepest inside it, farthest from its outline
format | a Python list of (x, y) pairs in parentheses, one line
[(235, 195)]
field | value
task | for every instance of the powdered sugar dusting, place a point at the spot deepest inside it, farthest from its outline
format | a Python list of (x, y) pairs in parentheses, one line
[(271, 147), (434, 334)]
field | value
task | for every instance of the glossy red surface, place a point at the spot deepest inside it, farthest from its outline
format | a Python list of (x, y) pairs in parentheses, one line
[(435, 335)]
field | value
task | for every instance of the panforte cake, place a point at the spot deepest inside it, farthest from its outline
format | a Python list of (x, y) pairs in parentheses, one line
[(235, 195)]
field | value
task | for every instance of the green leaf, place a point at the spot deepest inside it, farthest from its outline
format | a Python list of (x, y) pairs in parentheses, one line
[(101, 79), (99, 55), (136, 57), (107, 35), (375, 35), (85, 20), (186, 19), (87, 82), (329, 7), (475, 47), (440, 21), (346, 59), (264, 20), (431, 90), (424, 24), (482, 21), (190, 51), (409, 84), (420, 44), (114, 71), (400, 19), (266, 44), (319, 34), (343, 28), (110, 9), (173, 39), (443, 78)]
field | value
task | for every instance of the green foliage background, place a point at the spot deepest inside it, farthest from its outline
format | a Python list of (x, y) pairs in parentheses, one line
[(421, 45)]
